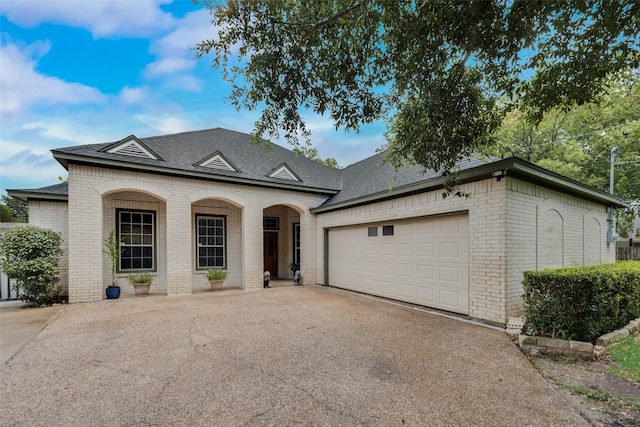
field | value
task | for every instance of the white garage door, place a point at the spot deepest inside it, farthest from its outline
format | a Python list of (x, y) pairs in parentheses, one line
[(422, 261)]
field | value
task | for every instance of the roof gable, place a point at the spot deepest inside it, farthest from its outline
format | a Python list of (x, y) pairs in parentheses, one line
[(283, 171), (217, 161), (131, 146)]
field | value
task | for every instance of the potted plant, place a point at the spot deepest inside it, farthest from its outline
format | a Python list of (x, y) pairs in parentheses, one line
[(294, 267), (112, 249), (216, 277), (141, 282)]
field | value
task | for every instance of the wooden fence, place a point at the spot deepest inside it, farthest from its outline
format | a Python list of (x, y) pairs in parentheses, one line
[(624, 254)]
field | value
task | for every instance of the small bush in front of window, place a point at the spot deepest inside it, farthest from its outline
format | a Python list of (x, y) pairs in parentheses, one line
[(140, 278), (30, 255), (217, 274)]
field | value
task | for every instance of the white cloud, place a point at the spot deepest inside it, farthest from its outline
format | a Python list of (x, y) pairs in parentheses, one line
[(174, 50), (103, 18), (165, 125), (19, 163), (58, 129), (22, 86), (133, 95)]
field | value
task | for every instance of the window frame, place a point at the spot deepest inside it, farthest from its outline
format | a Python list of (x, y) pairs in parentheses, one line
[(266, 226), (197, 241), (297, 238), (154, 230)]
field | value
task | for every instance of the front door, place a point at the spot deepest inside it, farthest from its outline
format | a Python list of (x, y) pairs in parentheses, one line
[(271, 253)]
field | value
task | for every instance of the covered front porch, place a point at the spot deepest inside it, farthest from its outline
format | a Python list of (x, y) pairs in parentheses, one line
[(177, 243)]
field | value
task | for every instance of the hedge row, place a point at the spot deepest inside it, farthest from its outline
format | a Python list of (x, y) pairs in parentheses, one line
[(582, 303)]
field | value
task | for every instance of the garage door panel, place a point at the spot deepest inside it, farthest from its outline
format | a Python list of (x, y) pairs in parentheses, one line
[(388, 249), (405, 290), (403, 230), (426, 228), (424, 295), (450, 225), (387, 268), (449, 274), (424, 262), (405, 270), (425, 271), (426, 249), (449, 299), (405, 249), (450, 250)]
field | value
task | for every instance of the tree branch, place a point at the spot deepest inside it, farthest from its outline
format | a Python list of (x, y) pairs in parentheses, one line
[(338, 15), (322, 23)]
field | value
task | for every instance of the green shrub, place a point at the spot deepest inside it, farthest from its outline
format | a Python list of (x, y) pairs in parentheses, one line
[(144, 278), (217, 274), (582, 303), (30, 255)]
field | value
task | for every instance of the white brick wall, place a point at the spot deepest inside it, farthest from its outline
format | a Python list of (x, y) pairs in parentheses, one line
[(54, 215), (96, 193), (486, 236), (505, 218), (531, 212)]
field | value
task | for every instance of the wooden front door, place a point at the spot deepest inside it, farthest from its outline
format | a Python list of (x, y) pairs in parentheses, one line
[(271, 253)]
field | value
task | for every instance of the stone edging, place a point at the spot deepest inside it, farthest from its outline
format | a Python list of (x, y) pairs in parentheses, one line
[(554, 346)]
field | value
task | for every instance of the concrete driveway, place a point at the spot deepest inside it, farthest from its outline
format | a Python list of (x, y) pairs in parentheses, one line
[(285, 356)]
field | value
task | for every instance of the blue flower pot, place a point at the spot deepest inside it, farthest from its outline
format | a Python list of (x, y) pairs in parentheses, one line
[(113, 293)]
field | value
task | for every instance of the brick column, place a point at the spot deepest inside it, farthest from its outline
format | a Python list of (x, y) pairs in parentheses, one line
[(86, 262), (252, 247), (179, 238), (308, 251)]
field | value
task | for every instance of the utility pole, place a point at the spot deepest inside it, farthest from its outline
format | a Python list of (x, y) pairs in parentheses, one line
[(610, 233)]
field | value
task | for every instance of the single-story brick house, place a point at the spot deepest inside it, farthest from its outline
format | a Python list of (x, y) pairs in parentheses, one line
[(184, 203)]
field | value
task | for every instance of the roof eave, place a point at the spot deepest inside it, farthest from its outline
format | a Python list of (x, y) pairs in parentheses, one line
[(27, 195), (522, 169), (513, 166), (65, 158)]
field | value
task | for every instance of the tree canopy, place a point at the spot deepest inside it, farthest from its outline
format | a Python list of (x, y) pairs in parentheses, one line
[(312, 153), (443, 73), (577, 142), (13, 210)]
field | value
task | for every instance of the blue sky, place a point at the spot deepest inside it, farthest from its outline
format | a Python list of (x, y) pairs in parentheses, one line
[(78, 72)]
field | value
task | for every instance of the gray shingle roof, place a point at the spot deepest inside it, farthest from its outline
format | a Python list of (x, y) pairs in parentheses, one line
[(179, 153), (375, 176), (57, 192), (366, 181)]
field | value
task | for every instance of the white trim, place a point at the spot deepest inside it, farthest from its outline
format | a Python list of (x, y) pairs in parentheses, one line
[(283, 172), (132, 148), (218, 162)]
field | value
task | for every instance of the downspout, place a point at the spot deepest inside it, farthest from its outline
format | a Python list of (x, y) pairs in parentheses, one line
[(611, 238)]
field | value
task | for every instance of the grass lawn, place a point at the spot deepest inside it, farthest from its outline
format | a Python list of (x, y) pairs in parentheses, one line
[(626, 354)]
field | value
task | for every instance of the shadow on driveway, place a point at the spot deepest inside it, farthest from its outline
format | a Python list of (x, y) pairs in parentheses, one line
[(287, 356)]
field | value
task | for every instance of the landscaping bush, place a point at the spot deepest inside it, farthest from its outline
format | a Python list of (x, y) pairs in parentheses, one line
[(30, 255), (582, 303)]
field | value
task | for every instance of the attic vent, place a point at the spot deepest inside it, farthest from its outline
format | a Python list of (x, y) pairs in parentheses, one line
[(132, 147), (217, 161), (283, 172)]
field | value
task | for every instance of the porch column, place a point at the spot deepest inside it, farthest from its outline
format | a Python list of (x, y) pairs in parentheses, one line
[(179, 268), (308, 251), (86, 260), (252, 249)]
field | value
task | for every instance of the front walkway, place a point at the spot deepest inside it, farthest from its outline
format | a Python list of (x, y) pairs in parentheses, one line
[(283, 356)]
